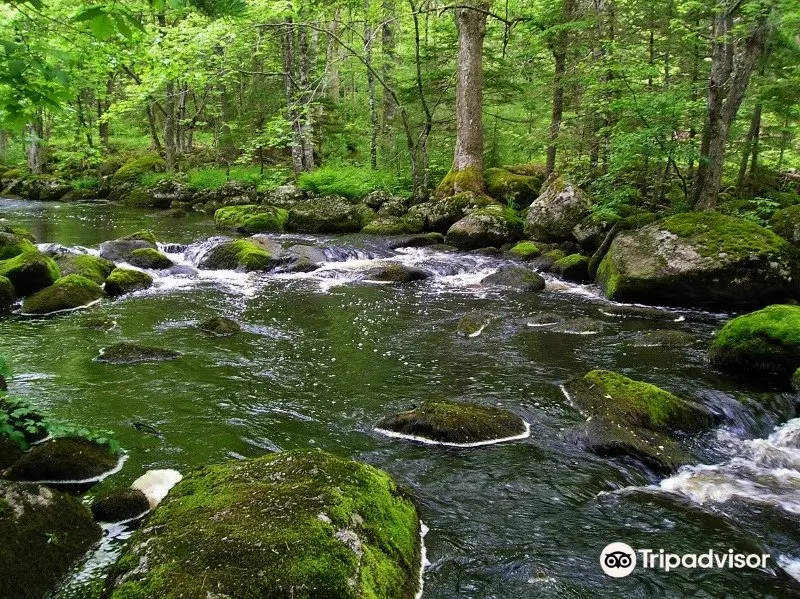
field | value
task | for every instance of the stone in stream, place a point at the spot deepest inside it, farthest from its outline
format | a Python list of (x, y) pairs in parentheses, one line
[(13, 244), (417, 241), (252, 218), (393, 225), (219, 325), (395, 273), (155, 484), (640, 312), (119, 250), (491, 226), (97, 323), (455, 423), (64, 459), (515, 277), (545, 319), (29, 272), (251, 254), (297, 524), (472, 324), (67, 293), (573, 268), (762, 342), (44, 532), (126, 280), (580, 326), (149, 258), (119, 505), (8, 294), (132, 353), (524, 250), (664, 338), (94, 268), (699, 259), (632, 418)]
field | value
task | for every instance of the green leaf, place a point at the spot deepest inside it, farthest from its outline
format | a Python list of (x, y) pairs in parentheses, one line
[(90, 13), (102, 26)]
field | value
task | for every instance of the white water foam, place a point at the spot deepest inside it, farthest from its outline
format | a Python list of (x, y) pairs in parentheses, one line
[(425, 440), (423, 558)]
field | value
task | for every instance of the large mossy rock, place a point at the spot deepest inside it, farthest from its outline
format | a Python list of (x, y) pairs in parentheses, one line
[(515, 277), (786, 223), (458, 423), (125, 184), (8, 294), (44, 533), (119, 250), (628, 417), (64, 459), (29, 272), (299, 524), (126, 280), (133, 353), (393, 225), (93, 268), (329, 214), (557, 211), (440, 213), (513, 189), (699, 259), (12, 244), (149, 258), (766, 341), (252, 254), (492, 226), (572, 268), (252, 218), (67, 293), (525, 250), (119, 505)]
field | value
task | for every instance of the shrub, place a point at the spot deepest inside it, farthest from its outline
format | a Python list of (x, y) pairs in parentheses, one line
[(349, 181)]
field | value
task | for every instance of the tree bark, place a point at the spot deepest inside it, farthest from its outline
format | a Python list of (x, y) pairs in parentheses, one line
[(755, 125), (307, 123), (559, 50), (332, 58), (389, 50), (36, 147), (373, 111)]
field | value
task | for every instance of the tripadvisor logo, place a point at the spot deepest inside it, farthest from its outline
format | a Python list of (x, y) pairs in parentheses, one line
[(619, 560)]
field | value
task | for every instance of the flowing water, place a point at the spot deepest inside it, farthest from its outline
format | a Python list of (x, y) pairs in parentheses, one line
[(323, 355)]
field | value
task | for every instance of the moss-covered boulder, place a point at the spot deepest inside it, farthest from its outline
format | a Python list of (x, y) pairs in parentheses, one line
[(125, 184), (149, 258), (513, 189), (786, 223), (10, 452), (455, 423), (8, 294), (44, 533), (393, 225), (126, 280), (574, 267), (64, 459), (329, 214), (67, 293), (246, 255), (219, 325), (472, 323), (119, 250), (559, 208), (492, 226), (524, 250), (12, 245), (252, 218), (393, 272), (120, 505), (628, 417), (699, 259), (94, 268), (296, 524), (766, 341), (29, 272), (133, 353), (393, 207), (440, 213), (515, 277)]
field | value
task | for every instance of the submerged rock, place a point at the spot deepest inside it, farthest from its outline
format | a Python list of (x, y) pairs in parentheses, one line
[(640, 312), (64, 459), (127, 280), (699, 258), (67, 293), (252, 218), (545, 319), (559, 208), (131, 353), (628, 417), (473, 323), (459, 423), (119, 505), (580, 326), (94, 268), (491, 226), (252, 254), (220, 326), (515, 277), (664, 339), (297, 524), (395, 273), (44, 532), (330, 214), (304, 258), (572, 268), (29, 272), (762, 342)]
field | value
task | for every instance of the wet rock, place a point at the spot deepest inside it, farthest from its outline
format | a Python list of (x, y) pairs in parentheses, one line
[(119, 505), (10, 452), (640, 312), (664, 339), (94, 268), (252, 219), (126, 280), (632, 418), (395, 273), (252, 254), (297, 523), (392, 225), (699, 258), (762, 342), (572, 268), (67, 293), (547, 261), (163, 193), (7, 294), (12, 244), (513, 189), (304, 258), (119, 250), (64, 459), (472, 324), (176, 211), (330, 214), (580, 326), (220, 326), (515, 277), (558, 209), (589, 233), (493, 225), (132, 353), (439, 214), (415, 241), (455, 422), (29, 272), (98, 323), (44, 532), (545, 319), (524, 250), (487, 251), (149, 258)]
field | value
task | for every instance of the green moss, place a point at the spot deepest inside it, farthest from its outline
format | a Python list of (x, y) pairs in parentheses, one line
[(555, 254), (142, 235), (511, 188), (120, 504), (133, 170), (574, 267), (91, 267), (298, 523), (149, 258), (525, 250), (786, 223), (766, 341), (393, 225), (242, 254), (132, 353), (515, 277), (219, 325), (126, 280), (139, 197), (460, 181), (252, 218), (472, 324), (67, 293), (30, 272), (796, 380), (12, 245), (66, 458), (7, 294)]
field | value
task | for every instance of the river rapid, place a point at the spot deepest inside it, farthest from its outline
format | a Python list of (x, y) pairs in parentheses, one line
[(323, 355)]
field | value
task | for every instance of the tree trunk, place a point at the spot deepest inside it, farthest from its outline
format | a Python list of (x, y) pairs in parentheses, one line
[(307, 124), (389, 50), (36, 146), (373, 111), (467, 171), (169, 126), (332, 59), (291, 103), (559, 50), (755, 124)]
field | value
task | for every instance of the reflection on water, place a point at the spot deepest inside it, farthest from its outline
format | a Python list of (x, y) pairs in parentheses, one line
[(323, 355)]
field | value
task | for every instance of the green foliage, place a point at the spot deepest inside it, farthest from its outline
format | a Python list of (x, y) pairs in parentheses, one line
[(87, 182), (349, 181)]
